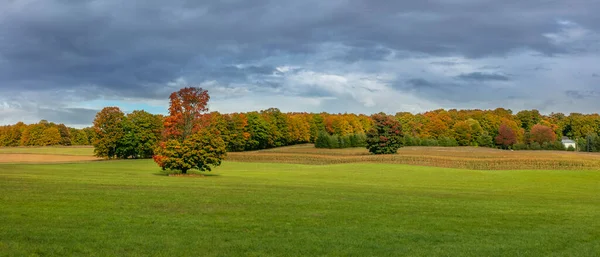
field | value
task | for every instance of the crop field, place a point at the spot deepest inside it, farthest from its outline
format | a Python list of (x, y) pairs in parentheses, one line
[(449, 157), (254, 208)]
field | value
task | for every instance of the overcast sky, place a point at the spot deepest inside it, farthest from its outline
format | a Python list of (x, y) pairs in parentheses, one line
[(63, 60)]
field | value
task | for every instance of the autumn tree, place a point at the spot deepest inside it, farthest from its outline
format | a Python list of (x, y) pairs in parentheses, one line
[(65, 135), (542, 134), (185, 108), (385, 137), (467, 132), (108, 128), (506, 136), (202, 151), (189, 145), (238, 131)]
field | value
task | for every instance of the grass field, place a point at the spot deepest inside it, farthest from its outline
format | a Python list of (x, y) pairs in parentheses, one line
[(129, 208)]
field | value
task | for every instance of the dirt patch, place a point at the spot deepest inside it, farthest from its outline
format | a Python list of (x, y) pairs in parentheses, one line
[(43, 158)]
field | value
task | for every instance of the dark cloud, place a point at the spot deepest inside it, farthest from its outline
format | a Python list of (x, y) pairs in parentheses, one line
[(420, 83), (130, 49), (80, 116), (580, 94), (480, 76)]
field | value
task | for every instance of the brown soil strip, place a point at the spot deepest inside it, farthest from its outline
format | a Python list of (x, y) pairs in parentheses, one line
[(43, 158)]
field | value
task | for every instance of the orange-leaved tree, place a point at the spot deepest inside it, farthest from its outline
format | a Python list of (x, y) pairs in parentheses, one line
[(185, 109), (188, 143)]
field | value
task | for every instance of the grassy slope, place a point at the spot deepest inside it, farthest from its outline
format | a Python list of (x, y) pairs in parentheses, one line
[(122, 208)]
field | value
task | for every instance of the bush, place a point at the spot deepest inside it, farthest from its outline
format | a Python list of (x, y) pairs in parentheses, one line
[(571, 148), (535, 146), (485, 140), (520, 146), (429, 142), (447, 142)]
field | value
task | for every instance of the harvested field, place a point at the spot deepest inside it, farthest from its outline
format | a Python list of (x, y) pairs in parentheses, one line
[(53, 150), (43, 158), (450, 157)]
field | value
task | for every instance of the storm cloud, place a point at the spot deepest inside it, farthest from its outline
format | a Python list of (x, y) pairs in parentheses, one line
[(64, 60)]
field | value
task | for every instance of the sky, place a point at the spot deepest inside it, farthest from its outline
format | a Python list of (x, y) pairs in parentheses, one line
[(64, 60)]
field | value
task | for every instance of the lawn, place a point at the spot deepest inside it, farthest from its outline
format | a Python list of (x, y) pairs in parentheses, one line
[(128, 208)]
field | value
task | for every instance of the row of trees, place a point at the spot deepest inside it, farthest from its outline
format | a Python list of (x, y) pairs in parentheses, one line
[(272, 128), (44, 133), (134, 135)]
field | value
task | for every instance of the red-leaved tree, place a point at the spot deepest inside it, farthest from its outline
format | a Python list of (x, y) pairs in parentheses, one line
[(541, 134), (506, 136), (185, 110)]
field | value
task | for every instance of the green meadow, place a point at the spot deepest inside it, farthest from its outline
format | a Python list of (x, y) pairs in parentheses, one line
[(130, 208)]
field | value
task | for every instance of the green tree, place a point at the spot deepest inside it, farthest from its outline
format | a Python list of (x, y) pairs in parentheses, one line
[(142, 132), (108, 127), (385, 137), (466, 132), (258, 129)]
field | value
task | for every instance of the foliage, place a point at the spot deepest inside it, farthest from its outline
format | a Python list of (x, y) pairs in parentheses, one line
[(485, 140), (201, 151), (185, 109), (142, 132), (193, 140), (108, 126), (324, 140), (385, 137), (272, 128), (542, 134), (506, 137)]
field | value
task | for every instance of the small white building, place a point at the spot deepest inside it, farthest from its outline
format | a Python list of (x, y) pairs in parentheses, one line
[(569, 143)]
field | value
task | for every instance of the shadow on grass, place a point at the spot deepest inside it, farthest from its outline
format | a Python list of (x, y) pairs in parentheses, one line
[(191, 174)]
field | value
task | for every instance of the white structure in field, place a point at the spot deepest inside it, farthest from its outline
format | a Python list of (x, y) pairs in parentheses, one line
[(568, 142)]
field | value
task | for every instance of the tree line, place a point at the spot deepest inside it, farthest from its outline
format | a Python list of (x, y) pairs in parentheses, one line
[(117, 135), (44, 133)]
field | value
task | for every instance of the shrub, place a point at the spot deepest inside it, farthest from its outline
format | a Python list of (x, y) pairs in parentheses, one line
[(571, 148), (535, 146), (429, 142), (520, 146), (447, 141), (324, 140), (485, 140)]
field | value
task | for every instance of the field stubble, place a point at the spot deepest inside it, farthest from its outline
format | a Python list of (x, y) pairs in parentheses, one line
[(448, 157)]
